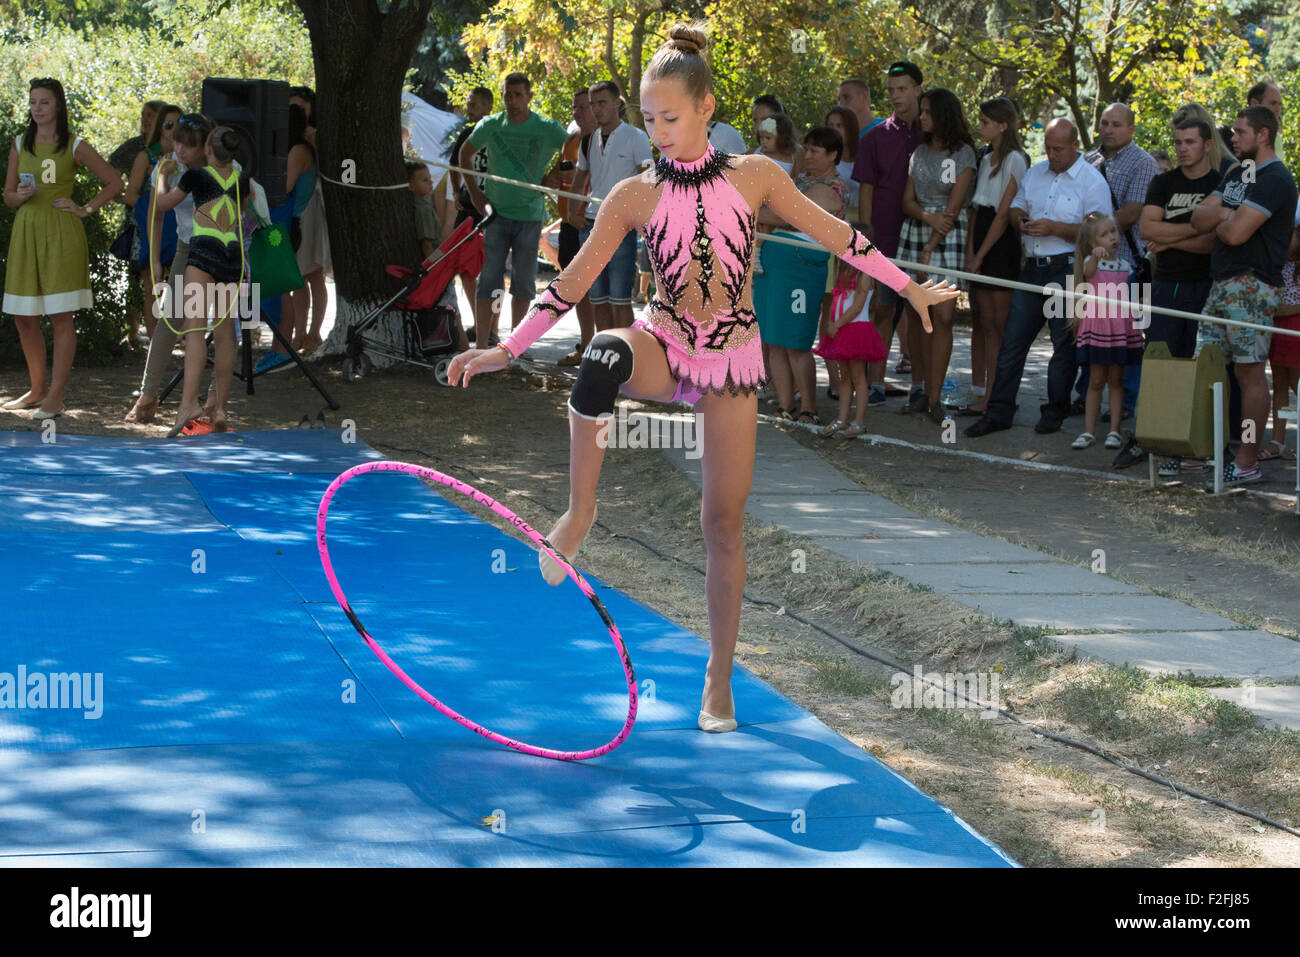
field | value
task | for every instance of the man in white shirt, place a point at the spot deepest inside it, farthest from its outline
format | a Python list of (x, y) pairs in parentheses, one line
[(616, 151), (1051, 202), (727, 139)]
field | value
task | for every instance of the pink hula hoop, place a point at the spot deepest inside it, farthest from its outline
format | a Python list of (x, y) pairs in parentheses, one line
[(323, 511)]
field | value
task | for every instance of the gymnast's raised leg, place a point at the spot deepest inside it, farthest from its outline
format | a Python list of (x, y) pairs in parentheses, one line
[(630, 361)]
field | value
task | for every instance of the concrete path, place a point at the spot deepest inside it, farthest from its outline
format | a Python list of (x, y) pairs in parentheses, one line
[(1102, 617)]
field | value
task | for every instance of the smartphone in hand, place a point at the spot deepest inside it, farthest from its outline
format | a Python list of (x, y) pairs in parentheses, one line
[(27, 179)]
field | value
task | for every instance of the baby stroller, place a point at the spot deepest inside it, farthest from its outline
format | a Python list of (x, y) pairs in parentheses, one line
[(428, 306)]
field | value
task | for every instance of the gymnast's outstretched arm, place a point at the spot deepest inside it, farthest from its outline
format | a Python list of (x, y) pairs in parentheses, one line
[(838, 237), (614, 220)]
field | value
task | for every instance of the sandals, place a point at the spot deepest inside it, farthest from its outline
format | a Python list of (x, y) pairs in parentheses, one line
[(1267, 453), (572, 359), (1085, 441), (1114, 440), (904, 366), (809, 418), (831, 429), (853, 431)]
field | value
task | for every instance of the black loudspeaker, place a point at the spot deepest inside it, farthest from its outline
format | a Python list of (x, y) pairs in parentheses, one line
[(259, 111)]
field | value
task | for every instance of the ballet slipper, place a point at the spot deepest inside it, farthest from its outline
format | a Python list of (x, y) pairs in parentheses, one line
[(715, 725), (24, 401), (552, 571)]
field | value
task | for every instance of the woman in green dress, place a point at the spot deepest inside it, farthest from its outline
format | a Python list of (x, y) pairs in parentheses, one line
[(48, 267)]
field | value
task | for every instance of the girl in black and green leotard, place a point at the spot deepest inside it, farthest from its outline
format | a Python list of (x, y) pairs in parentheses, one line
[(216, 265)]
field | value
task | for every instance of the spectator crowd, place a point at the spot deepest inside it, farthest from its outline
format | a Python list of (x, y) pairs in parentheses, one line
[(1207, 225)]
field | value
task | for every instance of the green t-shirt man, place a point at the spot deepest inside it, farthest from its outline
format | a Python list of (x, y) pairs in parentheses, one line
[(521, 151)]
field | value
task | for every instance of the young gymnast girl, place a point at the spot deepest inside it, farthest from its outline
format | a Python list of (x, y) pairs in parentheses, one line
[(215, 267), (698, 341)]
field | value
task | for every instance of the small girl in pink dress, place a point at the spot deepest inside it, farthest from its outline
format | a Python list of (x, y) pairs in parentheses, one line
[(1106, 337), (1284, 352), (851, 342)]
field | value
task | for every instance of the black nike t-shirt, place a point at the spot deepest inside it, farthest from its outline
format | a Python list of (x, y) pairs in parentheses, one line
[(1178, 196)]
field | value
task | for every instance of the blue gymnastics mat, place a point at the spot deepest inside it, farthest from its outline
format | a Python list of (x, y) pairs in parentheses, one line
[(226, 713)]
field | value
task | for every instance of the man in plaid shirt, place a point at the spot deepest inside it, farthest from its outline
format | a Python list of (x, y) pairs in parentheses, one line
[(1128, 170)]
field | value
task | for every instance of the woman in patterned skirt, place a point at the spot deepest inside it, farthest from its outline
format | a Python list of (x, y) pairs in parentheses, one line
[(936, 199), (48, 267)]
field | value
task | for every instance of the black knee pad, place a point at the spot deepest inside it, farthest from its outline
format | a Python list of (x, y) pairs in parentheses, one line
[(606, 365)]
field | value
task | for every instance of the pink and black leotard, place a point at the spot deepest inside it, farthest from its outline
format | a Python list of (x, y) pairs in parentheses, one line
[(698, 220)]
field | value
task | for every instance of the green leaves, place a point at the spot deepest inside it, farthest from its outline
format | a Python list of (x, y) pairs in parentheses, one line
[(108, 73)]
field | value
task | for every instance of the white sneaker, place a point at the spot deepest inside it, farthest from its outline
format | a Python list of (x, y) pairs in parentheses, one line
[(1114, 440), (1085, 441)]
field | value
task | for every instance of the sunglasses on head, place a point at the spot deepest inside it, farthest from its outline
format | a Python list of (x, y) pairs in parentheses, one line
[(43, 81)]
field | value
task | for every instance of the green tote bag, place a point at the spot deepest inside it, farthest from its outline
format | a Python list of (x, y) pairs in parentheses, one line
[(272, 261)]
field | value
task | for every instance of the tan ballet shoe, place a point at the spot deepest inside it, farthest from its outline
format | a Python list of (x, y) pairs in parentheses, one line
[(24, 401), (552, 571), (714, 725)]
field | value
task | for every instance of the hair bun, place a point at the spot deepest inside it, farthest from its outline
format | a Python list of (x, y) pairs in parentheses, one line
[(688, 38)]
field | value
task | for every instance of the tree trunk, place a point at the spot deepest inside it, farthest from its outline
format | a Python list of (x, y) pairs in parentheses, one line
[(361, 57), (635, 55)]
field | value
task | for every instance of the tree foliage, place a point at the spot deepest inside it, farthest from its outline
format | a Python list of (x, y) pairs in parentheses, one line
[(800, 49), (108, 72), (1054, 57), (1073, 57)]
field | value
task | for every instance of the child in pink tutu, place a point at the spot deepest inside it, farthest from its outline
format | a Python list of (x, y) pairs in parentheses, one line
[(1106, 337), (1284, 351), (851, 342)]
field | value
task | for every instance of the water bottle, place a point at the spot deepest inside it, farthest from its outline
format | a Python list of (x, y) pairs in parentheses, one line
[(948, 394)]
